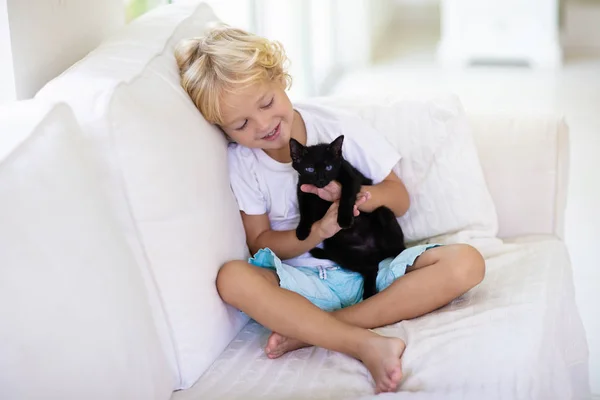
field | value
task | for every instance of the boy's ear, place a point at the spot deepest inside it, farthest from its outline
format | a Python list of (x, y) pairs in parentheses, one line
[(336, 146), (297, 151)]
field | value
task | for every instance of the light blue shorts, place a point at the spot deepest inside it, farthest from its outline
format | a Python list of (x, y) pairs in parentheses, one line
[(331, 288)]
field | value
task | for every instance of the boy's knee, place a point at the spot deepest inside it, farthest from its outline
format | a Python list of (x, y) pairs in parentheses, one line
[(238, 278), (469, 265), (228, 278)]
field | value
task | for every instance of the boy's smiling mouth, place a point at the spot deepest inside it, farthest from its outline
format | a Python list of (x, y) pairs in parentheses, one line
[(274, 134)]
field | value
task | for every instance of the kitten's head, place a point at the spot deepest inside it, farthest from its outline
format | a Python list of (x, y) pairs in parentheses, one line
[(319, 164)]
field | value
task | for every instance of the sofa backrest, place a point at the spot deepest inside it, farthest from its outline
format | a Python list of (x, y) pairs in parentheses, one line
[(73, 306), (525, 159), (165, 170)]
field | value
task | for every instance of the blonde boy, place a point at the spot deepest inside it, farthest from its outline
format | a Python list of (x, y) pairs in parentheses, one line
[(238, 80)]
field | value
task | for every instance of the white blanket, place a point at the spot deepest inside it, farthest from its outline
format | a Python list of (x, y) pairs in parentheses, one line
[(518, 335)]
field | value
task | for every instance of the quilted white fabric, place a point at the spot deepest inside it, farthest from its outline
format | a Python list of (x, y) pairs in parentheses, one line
[(440, 165), (165, 169), (515, 336), (75, 320)]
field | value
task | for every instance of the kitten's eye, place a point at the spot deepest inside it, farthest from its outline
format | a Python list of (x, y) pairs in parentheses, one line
[(329, 167), (309, 169)]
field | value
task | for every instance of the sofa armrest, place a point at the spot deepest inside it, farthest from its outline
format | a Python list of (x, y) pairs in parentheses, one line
[(525, 160)]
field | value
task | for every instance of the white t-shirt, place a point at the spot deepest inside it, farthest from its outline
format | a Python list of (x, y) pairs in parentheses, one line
[(262, 185)]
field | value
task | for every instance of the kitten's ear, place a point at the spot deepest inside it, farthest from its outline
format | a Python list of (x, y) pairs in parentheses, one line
[(297, 151), (336, 146)]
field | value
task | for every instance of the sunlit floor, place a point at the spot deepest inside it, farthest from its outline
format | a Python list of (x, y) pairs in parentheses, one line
[(408, 67)]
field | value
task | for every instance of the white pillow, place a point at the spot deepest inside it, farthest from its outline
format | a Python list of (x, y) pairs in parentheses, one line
[(165, 168), (75, 320), (439, 166)]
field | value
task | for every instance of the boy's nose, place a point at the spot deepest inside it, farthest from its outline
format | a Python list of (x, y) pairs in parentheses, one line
[(263, 125)]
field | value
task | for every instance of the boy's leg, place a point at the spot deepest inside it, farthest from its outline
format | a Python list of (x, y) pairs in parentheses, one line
[(256, 292), (438, 276)]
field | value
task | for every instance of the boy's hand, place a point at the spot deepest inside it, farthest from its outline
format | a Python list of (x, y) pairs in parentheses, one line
[(333, 191), (328, 225)]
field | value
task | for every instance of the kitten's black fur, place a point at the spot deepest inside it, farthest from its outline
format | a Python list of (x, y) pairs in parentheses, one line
[(365, 240)]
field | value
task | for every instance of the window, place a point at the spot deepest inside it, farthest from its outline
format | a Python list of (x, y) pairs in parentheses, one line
[(238, 13), (135, 8)]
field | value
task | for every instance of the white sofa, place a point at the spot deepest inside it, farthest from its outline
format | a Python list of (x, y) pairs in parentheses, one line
[(116, 214)]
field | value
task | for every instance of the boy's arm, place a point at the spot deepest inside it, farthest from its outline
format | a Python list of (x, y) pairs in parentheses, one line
[(283, 243), (391, 193)]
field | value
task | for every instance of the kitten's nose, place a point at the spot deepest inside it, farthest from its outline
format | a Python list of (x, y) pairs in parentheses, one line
[(321, 183)]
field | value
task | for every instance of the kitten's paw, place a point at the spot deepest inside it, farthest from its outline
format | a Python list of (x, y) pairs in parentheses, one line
[(345, 220), (302, 232), (370, 285), (318, 252), (368, 293)]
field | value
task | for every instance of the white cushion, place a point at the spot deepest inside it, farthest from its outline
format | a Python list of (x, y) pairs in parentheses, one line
[(165, 168), (439, 166), (73, 305), (517, 335)]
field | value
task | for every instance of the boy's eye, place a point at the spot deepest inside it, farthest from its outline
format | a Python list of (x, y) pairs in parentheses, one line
[(270, 103), (310, 169), (243, 126), (329, 167)]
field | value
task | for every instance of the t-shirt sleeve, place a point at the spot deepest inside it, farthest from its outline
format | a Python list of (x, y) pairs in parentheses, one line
[(244, 181), (367, 149)]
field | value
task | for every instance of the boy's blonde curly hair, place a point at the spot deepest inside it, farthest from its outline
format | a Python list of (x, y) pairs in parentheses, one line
[(224, 60)]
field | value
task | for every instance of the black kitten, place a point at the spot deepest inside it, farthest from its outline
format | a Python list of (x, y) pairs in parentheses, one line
[(364, 241)]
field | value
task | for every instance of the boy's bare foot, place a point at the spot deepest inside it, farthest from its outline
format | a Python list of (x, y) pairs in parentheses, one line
[(381, 355), (278, 345)]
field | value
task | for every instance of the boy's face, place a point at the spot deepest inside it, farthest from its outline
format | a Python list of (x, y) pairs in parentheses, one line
[(259, 116)]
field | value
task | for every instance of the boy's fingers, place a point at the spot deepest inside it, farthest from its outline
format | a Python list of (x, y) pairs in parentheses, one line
[(309, 189), (363, 197), (334, 187)]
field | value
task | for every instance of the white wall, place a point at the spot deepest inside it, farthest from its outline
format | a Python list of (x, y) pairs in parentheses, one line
[(7, 81), (48, 36)]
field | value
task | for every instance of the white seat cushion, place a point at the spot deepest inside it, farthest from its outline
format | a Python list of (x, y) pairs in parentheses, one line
[(165, 169), (73, 306), (517, 335)]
